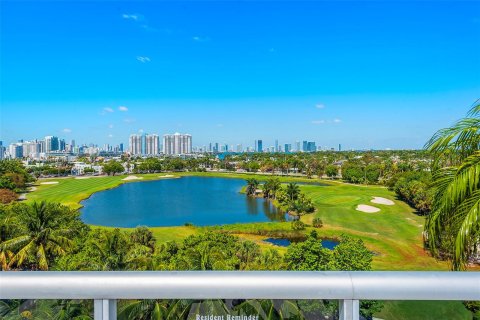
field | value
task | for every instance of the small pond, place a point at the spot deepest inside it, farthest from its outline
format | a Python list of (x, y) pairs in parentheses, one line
[(284, 242)]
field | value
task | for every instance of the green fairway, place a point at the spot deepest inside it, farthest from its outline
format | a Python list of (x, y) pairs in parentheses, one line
[(394, 233), (424, 310), (70, 191)]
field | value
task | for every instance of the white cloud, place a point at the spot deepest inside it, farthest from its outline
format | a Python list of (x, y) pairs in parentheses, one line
[(135, 17), (320, 106), (129, 120), (123, 108), (107, 110), (200, 39), (143, 59), (318, 121), (337, 120), (67, 130), (110, 126), (110, 135), (140, 130)]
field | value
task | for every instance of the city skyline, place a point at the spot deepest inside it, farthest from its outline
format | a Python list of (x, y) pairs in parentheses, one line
[(214, 69)]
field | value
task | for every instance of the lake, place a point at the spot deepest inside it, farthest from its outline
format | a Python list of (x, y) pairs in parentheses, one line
[(201, 201)]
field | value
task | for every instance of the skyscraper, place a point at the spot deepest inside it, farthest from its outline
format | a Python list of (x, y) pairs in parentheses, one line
[(305, 146), (288, 148), (177, 144), (259, 146), (51, 144), (297, 146), (2, 151), (135, 144), (276, 146), (152, 144)]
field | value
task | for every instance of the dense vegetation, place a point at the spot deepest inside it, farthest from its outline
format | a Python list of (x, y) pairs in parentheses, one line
[(48, 236)]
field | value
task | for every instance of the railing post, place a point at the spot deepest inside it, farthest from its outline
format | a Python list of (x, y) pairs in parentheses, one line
[(105, 309), (349, 309)]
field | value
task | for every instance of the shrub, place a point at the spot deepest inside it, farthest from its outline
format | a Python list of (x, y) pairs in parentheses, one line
[(298, 225), (317, 223), (7, 196)]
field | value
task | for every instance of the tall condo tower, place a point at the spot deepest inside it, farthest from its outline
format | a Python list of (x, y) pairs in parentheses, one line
[(177, 143), (135, 143), (152, 142)]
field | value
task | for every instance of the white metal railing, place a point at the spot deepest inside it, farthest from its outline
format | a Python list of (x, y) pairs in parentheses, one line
[(349, 286)]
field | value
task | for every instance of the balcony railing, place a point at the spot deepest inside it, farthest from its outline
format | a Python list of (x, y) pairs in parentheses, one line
[(347, 287)]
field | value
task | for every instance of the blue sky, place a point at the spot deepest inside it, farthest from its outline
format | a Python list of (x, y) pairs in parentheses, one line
[(363, 74)]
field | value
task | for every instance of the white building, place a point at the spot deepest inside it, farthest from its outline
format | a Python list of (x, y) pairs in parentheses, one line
[(15, 150), (51, 144), (177, 144), (135, 144), (152, 144)]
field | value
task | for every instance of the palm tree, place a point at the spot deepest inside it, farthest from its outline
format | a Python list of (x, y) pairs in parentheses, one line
[(252, 185), (47, 230), (453, 226), (293, 190), (275, 185)]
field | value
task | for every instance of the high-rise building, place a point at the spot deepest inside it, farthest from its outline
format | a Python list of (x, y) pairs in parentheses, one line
[(311, 147), (288, 148), (31, 149), (120, 147), (297, 146), (51, 144), (61, 145), (339, 147), (16, 150), (135, 143), (177, 144), (305, 146), (276, 146), (259, 145), (239, 148), (2, 150), (152, 144)]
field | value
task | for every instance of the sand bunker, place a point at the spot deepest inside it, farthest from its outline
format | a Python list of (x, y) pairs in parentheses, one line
[(365, 208), (49, 182), (89, 177), (380, 200), (132, 178), (167, 176)]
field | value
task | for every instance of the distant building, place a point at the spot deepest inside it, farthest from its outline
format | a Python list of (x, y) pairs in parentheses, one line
[(51, 144), (288, 148), (152, 144), (276, 146), (120, 147), (305, 146), (259, 145), (2, 150), (339, 147), (177, 144), (135, 143), (311, 147), (16, 150), (297, 146)]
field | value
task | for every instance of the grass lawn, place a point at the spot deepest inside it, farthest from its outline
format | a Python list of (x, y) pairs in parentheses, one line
[(394, 233)]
